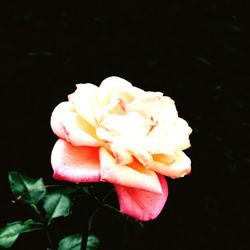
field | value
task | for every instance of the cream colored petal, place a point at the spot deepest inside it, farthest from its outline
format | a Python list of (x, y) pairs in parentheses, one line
[(76, 131), (127, 133), (132, 145), (179, 168), (146, 103), (154, 105), (133, 176), (85, 102), (104, 135), (121, 155), (167, 111), (142, 156), (109, 85), (68, 125), (127, 94), (166, 137), (132, 124), (56, 117)]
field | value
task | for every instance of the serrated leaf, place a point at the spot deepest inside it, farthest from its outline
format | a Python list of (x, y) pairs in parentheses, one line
[(57, 204), (10, 233), (27, 189), (73, 242)]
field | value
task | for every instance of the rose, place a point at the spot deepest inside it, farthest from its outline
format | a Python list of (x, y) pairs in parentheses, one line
[(123, 135)]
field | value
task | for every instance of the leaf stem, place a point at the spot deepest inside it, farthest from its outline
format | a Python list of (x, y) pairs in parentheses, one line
[(49, 239), (106, 196), (111, 207), (90, 221)]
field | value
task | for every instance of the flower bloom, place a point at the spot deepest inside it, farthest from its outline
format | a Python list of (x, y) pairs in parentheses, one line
[(123, 135)]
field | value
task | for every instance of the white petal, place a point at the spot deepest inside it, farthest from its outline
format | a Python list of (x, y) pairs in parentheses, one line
[(85, 102), (179, 168), (109, 85)]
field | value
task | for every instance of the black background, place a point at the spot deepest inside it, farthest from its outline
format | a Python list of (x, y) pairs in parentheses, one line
[(196, 52)]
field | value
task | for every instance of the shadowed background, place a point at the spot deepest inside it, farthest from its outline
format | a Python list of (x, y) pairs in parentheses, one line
[(196, 52)]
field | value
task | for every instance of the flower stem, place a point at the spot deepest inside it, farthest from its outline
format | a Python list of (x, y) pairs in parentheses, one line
[(84, 240), (100, 203)]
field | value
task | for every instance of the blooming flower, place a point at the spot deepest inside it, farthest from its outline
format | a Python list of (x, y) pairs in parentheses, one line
[(123, 135)]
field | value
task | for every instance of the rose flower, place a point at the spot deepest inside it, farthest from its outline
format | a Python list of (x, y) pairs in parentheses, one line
[(123, 135)]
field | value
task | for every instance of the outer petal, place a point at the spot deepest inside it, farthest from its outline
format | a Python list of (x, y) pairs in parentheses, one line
[(68, 125), (56, 117), (142, 205), (85, 101), (76, 164), (165, 137), (134, 175), (179, 168), (110, 85)]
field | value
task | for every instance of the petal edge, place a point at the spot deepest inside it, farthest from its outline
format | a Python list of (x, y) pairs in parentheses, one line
[(142, 205), (76, 164)]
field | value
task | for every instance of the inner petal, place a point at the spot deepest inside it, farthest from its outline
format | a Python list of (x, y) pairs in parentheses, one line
[(109, 86), (132, 123)]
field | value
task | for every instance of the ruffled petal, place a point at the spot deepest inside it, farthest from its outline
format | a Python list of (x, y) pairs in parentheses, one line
[(145, 103), (130, 124), (109, 86), (133, 175), (165, 137), (142, 205), (154, 104), (85, 102), (66, 124), (127, 132), (179, 168), (76, 164)]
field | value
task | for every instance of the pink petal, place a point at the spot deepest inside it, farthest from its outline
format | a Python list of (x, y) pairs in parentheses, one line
[(142, 205), (68, 125), (134, 175), (76, 164), (179, 168)]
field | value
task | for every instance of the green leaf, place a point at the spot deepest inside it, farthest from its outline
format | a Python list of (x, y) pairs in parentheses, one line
[(93, 242), (73, 242), (57, 204), (28, 190), (10, 233)]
